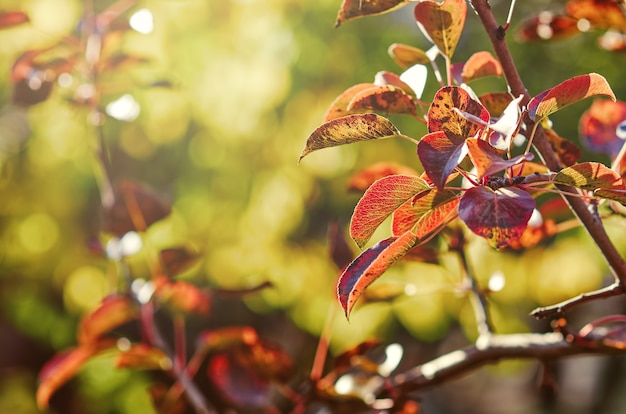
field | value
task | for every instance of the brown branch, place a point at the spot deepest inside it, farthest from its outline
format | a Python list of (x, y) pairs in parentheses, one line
[(579, 207), (607, 292), (493, 349)]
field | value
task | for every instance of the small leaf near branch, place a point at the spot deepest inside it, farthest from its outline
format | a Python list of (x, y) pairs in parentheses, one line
[(112, 312), (480, 65), (347, 130), (488, 161), (442, 23), (567, 152), (499, 216), (406, 56), (440, 153), (339, 107), (425, 213), (369, 266), (442, 115), (388, 99), (566, 93), (352, 9), (379, 201), (365, 178)]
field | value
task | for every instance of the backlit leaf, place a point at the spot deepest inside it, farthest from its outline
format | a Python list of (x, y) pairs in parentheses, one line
[(64, 366), (237, 382), (425, 213), (440, 153), (496, 102), (499, 216), (142, 356), (181, 296), (12, 18), (488, 160), (547, 26), (604, 14), (349, 129), (363, 179), (443, 117), (221, 339), (379, 201), (352, 9), (407, 56), (567, 152), (136, 207), (603, 126), (386, 78), (339, 107), (114, 311), (479, 65), (387, 99), (442, 23), (566, 93), (268, 360), (369, 266), (590, 176)]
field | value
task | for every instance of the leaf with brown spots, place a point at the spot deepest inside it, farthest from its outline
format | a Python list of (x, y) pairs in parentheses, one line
[(407, 56), (339, 107), (496, 102), (352, 9), (349, 129), (443, 117), (388, 99), (442, 23), (567, 152)]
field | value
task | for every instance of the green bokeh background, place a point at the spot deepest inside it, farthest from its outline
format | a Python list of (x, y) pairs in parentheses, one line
[(250, 80)]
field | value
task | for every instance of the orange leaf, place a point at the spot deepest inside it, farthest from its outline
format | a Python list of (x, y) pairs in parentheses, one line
[(339, 107), (225, 338), (182, 296), (496, 102), (566, 93), (379, 201), (112, 312), (603, 14), (363, 179), (387, 99), (442, 23), (12, 18), (352, 9), (479, 65), (566, 150), (142, 356), (547, 26), (407, 56)]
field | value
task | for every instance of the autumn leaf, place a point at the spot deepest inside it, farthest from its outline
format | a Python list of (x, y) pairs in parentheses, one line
[(369, 266), (443, 117), (12, 18), (500, 216), (442, 23), (221, 339), (143, 356), (339, 107), (388, 99), (406, 56), (496, 102), (600, 14), (488, 161), (352, 9), (112, 312), (349, 129), (590, 176), (547, 26), (386, 78), (603, 126), (479, 65), (566, 93), (379, 201), (363, 179), (181, 296), (425, 213), (440, 153), (567, 152)]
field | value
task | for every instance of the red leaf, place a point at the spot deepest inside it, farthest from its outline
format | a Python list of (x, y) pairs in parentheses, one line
[(425, 213), (604, 14), (62, 367), (217, 340), (175, 261), (369, 266), (443, 117), (379, 201), (386, 99), (567, 93), (363, 179), (352, 9), (479, 65), (112, 312), (339, 107), (407, 56), (135, 208), (237, 382), (440, 153), (142, 356), (547, 26), (488, 161), (567, 152), (12, 18), (442, 23), (349, 129), (602, 126), (500, 216), (182, 296)]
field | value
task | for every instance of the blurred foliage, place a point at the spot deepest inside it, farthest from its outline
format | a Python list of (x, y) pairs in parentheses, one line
[(228, 91)]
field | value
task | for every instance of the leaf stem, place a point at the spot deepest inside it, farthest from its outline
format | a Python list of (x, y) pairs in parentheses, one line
[(477, 298)]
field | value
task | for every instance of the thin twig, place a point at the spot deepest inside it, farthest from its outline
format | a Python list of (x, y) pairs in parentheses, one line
[(606, 292), (477, 298)]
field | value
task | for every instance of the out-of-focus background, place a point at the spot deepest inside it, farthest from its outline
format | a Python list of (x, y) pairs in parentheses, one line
[(210, 103)]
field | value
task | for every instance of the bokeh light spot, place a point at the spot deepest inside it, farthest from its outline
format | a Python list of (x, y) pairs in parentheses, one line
[(84, 288), (38, 233)]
